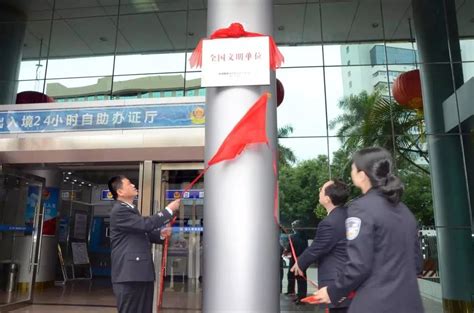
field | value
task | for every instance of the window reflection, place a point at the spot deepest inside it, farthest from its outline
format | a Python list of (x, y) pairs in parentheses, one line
[(303, 107)]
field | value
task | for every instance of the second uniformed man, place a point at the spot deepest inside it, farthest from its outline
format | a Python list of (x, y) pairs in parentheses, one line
[(328, 249)]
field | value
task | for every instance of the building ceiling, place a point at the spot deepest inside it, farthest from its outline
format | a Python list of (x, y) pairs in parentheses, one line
[(87, 27)]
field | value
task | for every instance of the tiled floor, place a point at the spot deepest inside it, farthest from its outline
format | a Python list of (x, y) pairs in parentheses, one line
[(94, 292), (285, 304), (97, 296)]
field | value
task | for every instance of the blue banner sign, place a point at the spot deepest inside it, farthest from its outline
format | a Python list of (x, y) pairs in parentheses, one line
[(188, 229), (104, 118), (172, 194), (16, 228)]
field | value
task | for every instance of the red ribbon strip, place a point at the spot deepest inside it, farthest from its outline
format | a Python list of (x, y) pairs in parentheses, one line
[(275, 216), (236, 30), (164, 256)]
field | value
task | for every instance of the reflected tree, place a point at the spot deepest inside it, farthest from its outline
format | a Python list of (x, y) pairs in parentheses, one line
[(372, 119), (286, 157)]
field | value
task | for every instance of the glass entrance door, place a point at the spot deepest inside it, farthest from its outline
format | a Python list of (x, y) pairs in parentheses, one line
[(183, 278), (20, 235)]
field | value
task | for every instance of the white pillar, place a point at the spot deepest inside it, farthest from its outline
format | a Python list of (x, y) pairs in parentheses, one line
[(241, 252)]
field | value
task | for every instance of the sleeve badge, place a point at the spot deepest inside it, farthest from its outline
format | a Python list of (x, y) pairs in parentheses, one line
[(352, 227)]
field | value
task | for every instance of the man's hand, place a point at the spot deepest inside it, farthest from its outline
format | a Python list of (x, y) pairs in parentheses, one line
[(165, 232), (174, 205), (296, 269), (322, 295)]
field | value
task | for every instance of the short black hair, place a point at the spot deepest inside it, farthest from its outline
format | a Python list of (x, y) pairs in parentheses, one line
[(115, 183), (338, 192)]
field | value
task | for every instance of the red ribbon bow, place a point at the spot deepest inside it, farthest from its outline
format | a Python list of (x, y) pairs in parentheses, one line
[(236, 30)]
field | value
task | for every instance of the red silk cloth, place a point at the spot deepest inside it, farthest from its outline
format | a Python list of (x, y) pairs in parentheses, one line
[(250, 129), (236, 30)]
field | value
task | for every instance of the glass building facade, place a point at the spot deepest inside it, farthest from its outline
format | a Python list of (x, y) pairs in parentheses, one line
[(341, 59)]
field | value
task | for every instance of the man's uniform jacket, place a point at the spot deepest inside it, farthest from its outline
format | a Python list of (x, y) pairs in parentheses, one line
[(131, 236)]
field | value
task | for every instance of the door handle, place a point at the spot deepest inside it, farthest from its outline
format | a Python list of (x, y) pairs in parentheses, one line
[(33, 237), (40, 232)]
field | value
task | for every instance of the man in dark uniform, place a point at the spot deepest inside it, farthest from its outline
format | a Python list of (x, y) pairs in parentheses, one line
[(131, 236), (300, 243), (328, 249)]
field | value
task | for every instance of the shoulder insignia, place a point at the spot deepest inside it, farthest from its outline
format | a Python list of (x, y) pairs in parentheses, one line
[(352, 227)]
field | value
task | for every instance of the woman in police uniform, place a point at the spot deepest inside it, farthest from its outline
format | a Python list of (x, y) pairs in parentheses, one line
[(384, 255)]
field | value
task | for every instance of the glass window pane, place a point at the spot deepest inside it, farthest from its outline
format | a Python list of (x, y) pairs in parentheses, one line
[(158, 85), (340, 158), (152, 32), (144, 6), (78, 89), (306, 31), (414, 171), (193, 81), (467, 49), (303, 149), (40, 10), (304, 162), (354, 54), (468, 70), (80, 67), (303, 107), (30, 85), (302, 56), (351, 21), (400, 53), (77, 9), (397, 20), (149, 63), (197, 27), (84, 37), (35, 48), (359, 104)]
